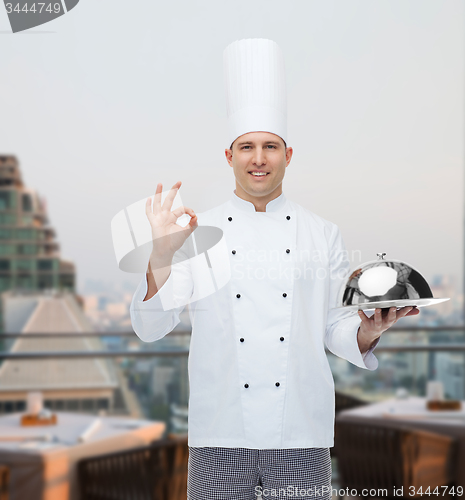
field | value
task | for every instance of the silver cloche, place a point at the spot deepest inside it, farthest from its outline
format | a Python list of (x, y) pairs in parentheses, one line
[(385, 283)]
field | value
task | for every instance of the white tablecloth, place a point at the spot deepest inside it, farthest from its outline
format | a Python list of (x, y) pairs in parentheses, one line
[(412, 407), (46, 469)]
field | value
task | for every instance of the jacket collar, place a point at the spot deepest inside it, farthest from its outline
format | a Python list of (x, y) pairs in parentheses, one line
[(275, 205)]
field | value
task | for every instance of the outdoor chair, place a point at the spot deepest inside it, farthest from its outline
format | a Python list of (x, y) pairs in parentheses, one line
[(4, 482), (374, 457), (345, 402), (154, 472)]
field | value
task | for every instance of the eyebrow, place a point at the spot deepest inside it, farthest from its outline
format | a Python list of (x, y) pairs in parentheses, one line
[(250, 142)]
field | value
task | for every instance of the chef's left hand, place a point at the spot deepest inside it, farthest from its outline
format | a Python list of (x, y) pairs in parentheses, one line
[(371, 328)]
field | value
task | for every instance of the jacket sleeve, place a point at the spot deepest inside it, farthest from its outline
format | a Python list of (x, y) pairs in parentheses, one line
[(159, 315), (342, 326)]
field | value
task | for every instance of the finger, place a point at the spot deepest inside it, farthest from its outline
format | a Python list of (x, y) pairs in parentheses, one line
[(157, 199), (191, 213), (183, 210), (403, 311), (365, 319), (378, 319), (193, 223), (392, 315), (414, 311), (148, 206), (168, 203)]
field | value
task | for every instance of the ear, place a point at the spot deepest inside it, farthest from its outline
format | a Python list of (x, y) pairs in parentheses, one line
[(289, 152), (228, 154)]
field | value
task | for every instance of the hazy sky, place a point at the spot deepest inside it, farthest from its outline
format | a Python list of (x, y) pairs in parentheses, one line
[(105, 102)]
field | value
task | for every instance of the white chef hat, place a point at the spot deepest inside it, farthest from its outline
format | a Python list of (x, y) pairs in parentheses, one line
[(255, 85)]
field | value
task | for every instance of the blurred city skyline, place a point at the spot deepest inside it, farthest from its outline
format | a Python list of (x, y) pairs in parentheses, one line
[(99, 109)]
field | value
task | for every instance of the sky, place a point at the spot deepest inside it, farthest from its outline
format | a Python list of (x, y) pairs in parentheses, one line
[(106, 101)]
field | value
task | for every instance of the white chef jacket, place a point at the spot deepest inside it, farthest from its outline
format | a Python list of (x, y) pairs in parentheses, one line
[(259, 376)]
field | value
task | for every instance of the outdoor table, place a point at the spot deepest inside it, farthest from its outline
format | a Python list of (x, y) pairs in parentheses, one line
[(43, 459), (412, 413)]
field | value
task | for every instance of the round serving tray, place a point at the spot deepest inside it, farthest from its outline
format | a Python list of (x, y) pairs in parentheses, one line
[(384, 304)]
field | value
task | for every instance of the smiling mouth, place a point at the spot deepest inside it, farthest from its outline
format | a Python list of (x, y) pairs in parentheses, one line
[(259, 176)]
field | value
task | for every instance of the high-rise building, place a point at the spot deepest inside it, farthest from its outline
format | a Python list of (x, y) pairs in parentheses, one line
[(29, 252)]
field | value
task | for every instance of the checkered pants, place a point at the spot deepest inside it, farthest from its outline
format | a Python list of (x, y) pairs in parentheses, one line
[(243, 473)]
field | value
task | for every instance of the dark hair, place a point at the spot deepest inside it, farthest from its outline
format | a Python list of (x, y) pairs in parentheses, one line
[(230, 147)]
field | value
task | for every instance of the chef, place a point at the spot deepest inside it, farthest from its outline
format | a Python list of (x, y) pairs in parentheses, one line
[(261, 400)]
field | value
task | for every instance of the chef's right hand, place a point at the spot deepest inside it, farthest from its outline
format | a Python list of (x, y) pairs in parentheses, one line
[(167, 236)]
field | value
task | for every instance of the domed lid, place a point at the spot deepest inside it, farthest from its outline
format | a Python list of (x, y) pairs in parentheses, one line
[(384, 283)]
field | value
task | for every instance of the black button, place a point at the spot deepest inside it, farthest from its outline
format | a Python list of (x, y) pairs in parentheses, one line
[(234, 251), (238, 295), (229, 219), (242, 340), (284, 294), (287, 251), (281, 339), (277, 384), (288, 217), (246, 385)]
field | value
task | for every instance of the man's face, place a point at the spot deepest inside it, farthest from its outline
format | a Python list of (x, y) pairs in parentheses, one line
[(259, 152)]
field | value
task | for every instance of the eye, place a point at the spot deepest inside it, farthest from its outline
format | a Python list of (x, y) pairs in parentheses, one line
[(271, 146), (243, 147)]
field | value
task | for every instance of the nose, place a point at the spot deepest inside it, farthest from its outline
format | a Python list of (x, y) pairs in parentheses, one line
[(259, 157)]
